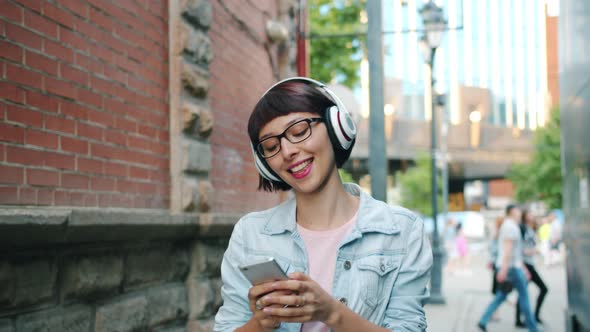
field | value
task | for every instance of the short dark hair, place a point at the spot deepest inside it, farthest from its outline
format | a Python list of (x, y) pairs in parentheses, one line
[(510, 207), (283, 99)]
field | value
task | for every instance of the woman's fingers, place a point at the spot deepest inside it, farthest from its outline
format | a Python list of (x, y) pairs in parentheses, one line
[(284, 300)]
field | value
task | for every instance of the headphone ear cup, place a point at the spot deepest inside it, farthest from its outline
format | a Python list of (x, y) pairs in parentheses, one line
[(341, 128)]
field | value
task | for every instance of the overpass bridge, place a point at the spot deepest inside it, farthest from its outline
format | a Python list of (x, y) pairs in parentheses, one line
[(475, 151)]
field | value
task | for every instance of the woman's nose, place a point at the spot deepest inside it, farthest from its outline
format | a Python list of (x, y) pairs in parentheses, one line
[(288, 149)]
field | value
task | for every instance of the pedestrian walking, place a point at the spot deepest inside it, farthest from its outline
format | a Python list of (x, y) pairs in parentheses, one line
[(511, 273), (353, 263), (527, 229)]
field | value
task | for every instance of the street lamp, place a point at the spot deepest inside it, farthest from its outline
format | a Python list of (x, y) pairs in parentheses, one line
[(434, 27)]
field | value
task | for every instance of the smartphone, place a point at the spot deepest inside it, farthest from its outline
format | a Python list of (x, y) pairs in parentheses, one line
[(263, 271)]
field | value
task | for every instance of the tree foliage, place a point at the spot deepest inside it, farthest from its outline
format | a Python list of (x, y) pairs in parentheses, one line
[(416, 187), (336, 58), (540, 179)]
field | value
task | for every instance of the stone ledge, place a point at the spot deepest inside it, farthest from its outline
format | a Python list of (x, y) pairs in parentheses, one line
[(38, 226)]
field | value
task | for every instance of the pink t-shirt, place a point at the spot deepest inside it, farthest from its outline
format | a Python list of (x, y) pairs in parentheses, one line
[(322, 249)]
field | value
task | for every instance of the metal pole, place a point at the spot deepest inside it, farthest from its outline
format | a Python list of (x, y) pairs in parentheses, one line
[(377, 156), (436, 296)]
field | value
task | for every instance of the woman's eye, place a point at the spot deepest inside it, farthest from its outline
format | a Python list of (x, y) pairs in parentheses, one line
[(300, 132)]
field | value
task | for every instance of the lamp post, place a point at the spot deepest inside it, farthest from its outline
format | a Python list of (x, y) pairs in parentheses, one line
[(434, 26)]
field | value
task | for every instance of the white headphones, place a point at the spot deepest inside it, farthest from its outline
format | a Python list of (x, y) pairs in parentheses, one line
[(339, 122)]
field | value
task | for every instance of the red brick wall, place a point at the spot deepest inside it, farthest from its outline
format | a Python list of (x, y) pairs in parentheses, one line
[(240, 73), (83, 103), (552, 32)]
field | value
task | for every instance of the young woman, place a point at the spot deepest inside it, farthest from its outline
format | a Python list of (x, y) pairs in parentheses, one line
[(527, 229), (354, 263)]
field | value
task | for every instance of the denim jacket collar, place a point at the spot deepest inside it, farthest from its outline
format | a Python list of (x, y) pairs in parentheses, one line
[(370, 217)]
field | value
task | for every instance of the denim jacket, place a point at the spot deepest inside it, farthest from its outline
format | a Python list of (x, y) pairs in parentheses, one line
[(382, 266)]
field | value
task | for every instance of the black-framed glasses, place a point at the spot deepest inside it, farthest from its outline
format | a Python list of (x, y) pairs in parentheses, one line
[(295, 133)]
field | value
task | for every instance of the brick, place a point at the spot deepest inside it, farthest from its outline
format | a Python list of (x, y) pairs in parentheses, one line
[(90, 64), (58, 15), (125, 186), (8, 195), (58, 51), (73, 110), (2, 152), (40, 24), (146, 131), (35, 5), (39, 177), (24, 116), (24, 156), (139, 143), (11, 133), (125, 125), (41, 139), (103, 86), (70, 38), (42, 63), (42, 101), (23, 76), (102, 184), (44, 196), (11, 11), (70, 73), (27, 196), (60, 161), (124, 314), (11, 92), (60, 124), (90, 131), (86, 165), (11, 51), (139, 173), (70, 318), (77, 7), (115, 74), (90, 98), (23, 36), (90, 199), (9, 174), (62, 198), (74, 181), (35, 281), (73, 144), (92, 275), (60, 88), (115, 137), (98, 18), (115, 169)]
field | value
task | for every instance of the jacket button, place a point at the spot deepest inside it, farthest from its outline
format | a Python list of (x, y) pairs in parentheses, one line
[(382, 267), (347, 265), (343, 300)]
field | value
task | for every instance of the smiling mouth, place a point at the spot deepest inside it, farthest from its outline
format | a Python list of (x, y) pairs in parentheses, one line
[(300, 167)]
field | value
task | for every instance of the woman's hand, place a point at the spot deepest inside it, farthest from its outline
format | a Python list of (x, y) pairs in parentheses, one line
[(255, 294), (306, 301)]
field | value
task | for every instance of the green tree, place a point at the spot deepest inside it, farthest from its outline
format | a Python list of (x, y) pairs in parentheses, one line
[(345, 176), (336, 58), (540, 178), (416, 187)]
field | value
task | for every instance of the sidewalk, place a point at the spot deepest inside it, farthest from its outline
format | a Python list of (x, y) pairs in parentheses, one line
[(468, 293)]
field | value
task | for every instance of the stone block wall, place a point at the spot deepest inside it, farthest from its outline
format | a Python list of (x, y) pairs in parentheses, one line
[(145, 272)]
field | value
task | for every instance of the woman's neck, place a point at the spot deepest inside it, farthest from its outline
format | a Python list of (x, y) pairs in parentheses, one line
[(329, 207)]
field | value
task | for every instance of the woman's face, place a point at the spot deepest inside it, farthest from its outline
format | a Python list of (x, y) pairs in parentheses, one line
[(307, 165)]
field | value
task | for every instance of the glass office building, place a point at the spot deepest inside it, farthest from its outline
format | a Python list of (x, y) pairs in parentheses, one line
[(499, 45)]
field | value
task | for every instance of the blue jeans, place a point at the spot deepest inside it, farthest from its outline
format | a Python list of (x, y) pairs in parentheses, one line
[(516, 275)]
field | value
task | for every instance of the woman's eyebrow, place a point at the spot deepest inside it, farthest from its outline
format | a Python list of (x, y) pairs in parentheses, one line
[(287, 126)]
